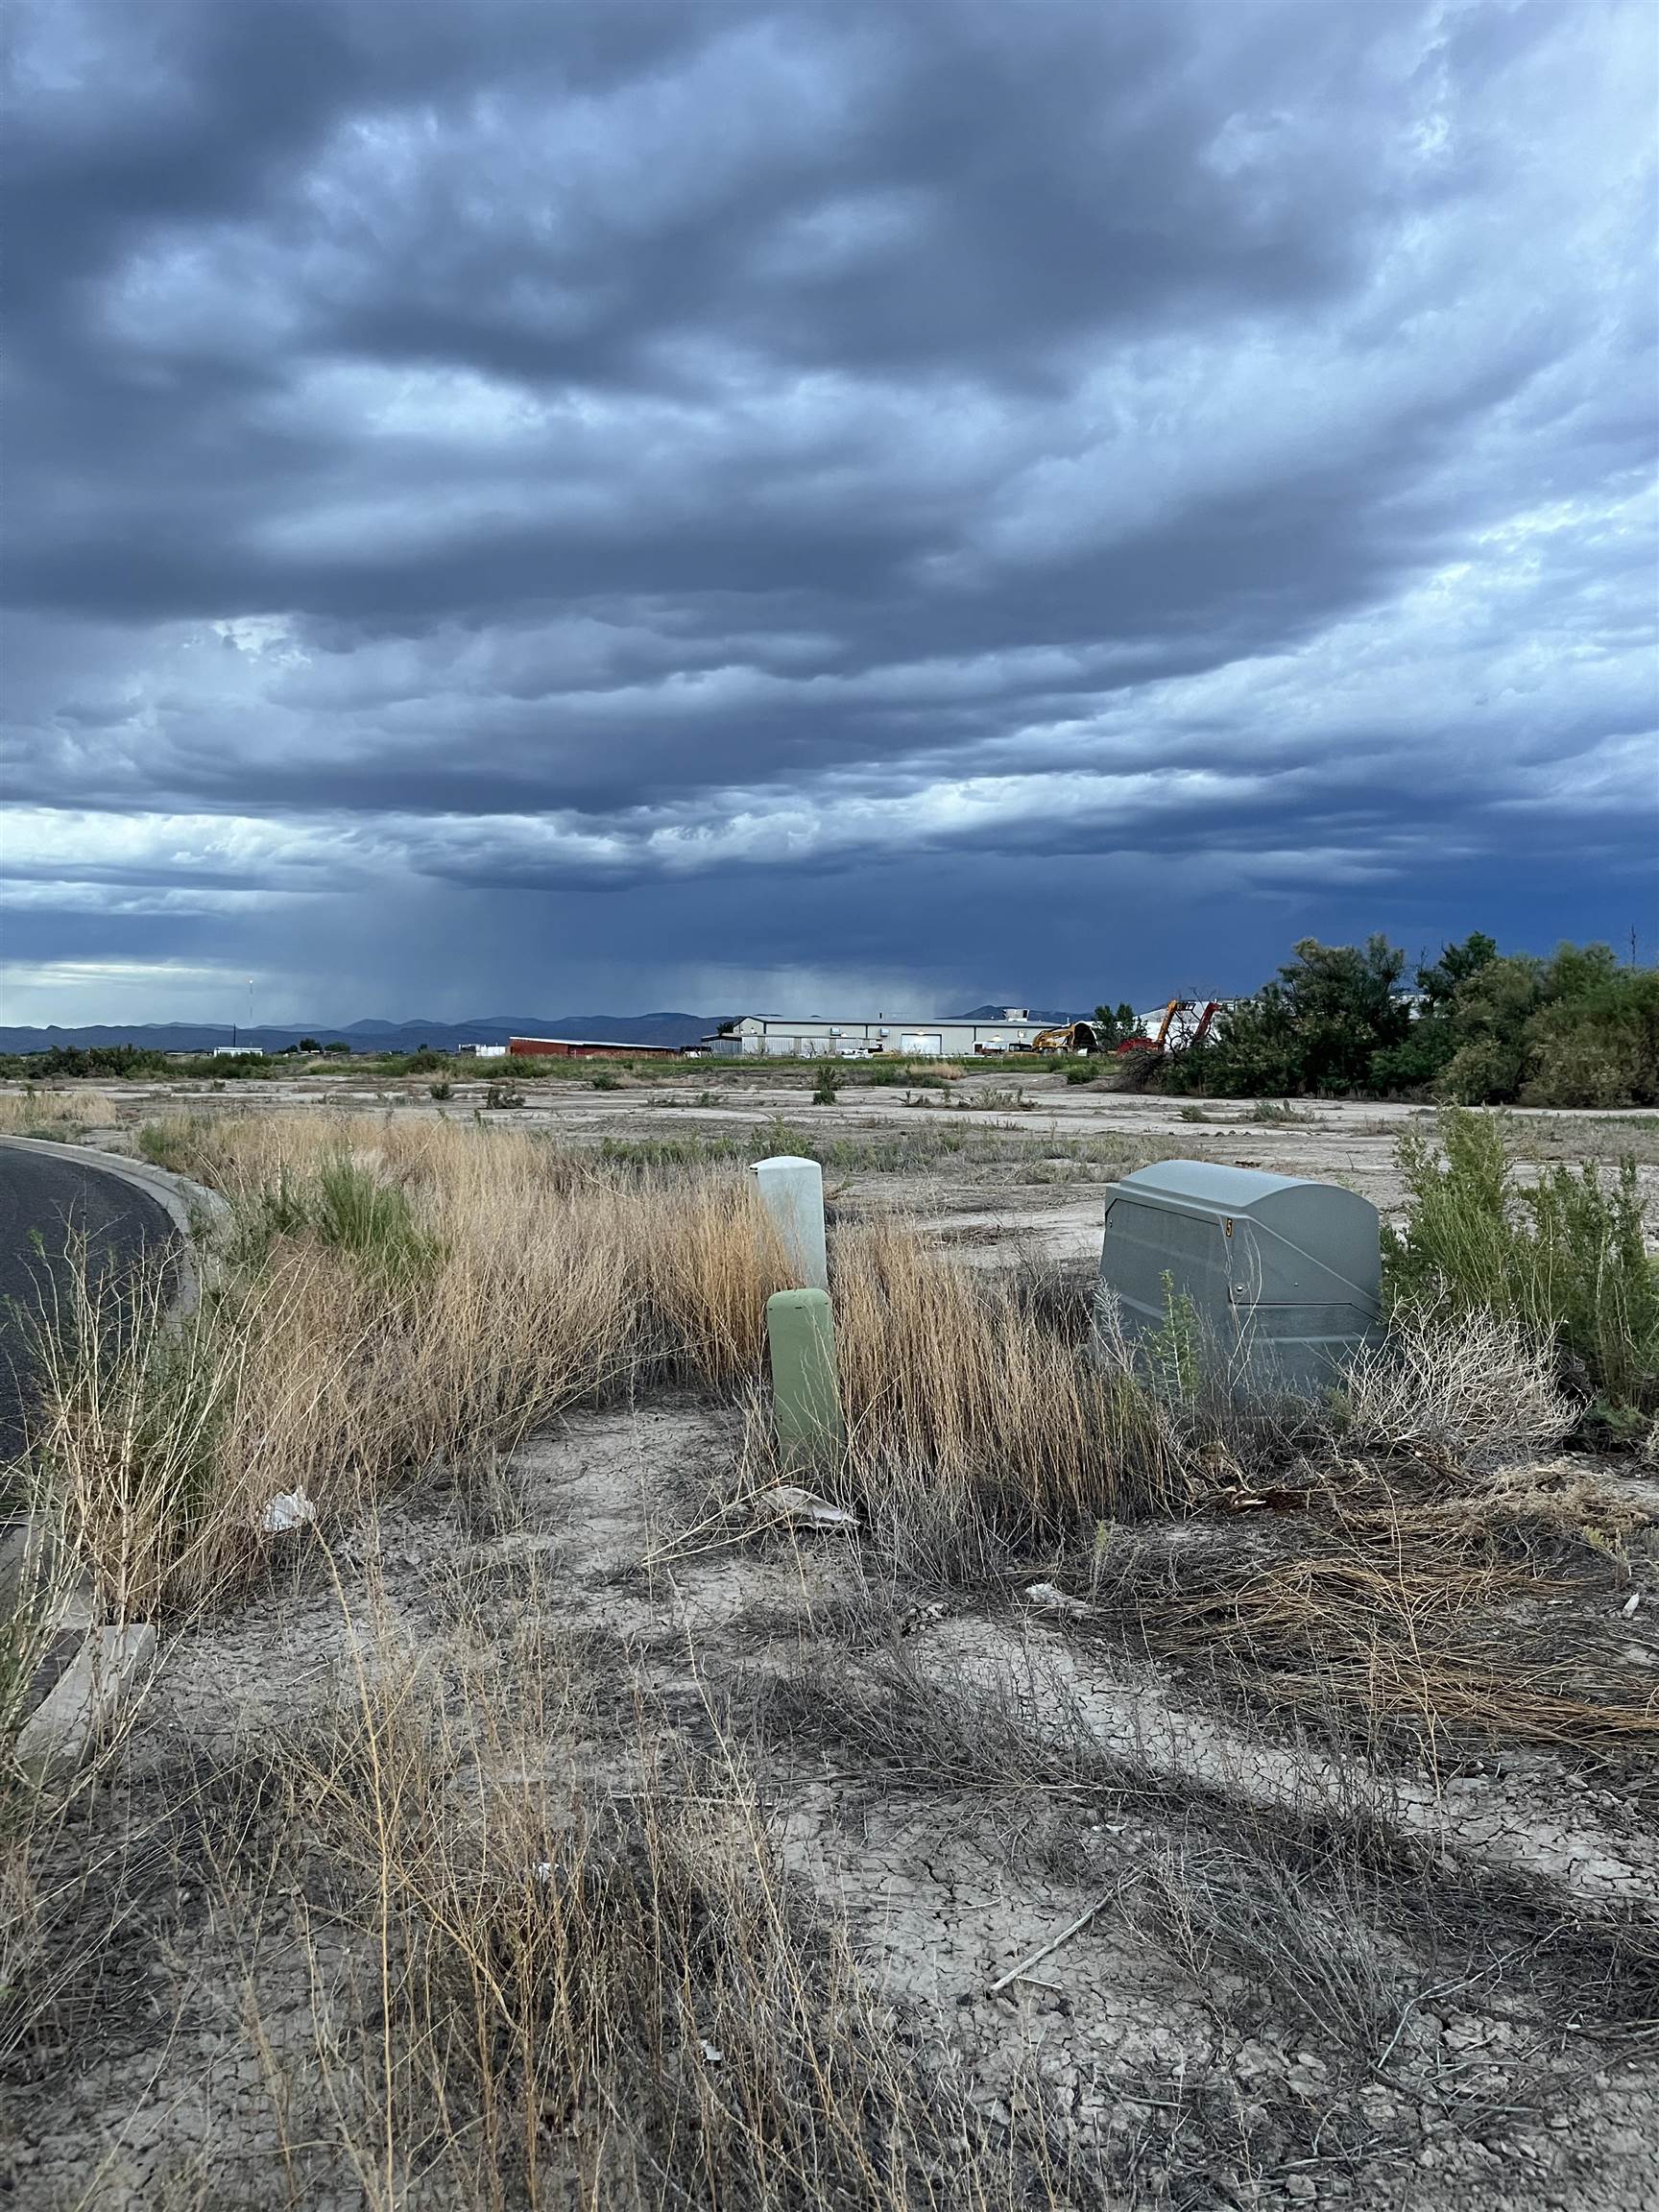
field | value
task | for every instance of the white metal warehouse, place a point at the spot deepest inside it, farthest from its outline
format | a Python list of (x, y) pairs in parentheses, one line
[(788, 1036)]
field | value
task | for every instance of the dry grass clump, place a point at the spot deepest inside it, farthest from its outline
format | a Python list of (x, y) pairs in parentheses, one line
[(32, 1113), (1443, 1620), (1478, 1386), (387, 1295), (128, 1438), (530, 1989), (964, 1413), (1440, 1657)]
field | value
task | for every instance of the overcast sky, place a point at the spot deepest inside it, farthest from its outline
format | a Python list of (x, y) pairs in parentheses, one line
[(533, 507)]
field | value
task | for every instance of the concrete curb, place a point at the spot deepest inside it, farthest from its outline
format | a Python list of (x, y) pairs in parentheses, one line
[(113, 1662), (112, 1665)]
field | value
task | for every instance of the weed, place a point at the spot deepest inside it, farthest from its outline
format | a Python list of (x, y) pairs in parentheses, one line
[(1169, 1355), (1478, 1384), (33, 1112), (997, 1098), (824, 1091), (1565, 1257), (355, 1211)]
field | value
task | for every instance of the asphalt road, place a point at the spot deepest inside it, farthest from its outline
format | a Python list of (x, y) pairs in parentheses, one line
[(47, 1206)]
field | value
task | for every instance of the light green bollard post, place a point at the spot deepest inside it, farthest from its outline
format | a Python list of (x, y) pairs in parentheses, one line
[(805, 1392), (792, 1192)]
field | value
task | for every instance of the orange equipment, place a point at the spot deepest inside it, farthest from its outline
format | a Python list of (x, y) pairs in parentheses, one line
[(1184, 1023)]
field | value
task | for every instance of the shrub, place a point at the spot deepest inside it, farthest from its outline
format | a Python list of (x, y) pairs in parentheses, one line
[(440, 1091), (1476, 1383), (1564, 1257), (98, 1060), (824, 1091), (1599, 1044), (607, 1079)]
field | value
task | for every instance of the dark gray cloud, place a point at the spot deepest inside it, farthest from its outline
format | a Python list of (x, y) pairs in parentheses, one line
[(673, 500)]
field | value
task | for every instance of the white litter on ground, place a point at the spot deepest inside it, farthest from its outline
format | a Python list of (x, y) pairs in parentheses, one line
[(288, 1510)]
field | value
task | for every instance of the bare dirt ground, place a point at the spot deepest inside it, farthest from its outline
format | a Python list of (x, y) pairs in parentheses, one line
[(1237, 1956), (963, 1780)]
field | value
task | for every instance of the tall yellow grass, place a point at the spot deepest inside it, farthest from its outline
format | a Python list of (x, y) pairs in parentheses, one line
[(397, 1291), (507, 1281), (35, 1112), (955, 1396)]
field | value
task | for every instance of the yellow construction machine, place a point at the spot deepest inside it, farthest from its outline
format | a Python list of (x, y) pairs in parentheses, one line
[(1070, 1037)]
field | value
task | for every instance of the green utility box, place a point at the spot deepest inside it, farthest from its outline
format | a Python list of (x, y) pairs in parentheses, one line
[(806, 1389), (1284, 1276)]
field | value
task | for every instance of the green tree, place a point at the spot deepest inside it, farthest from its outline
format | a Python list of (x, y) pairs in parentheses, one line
[(1595, 1042), (1421, 1056), (1319, 1027), (1576, 1029), (1115, 1025), (1488, 1021)]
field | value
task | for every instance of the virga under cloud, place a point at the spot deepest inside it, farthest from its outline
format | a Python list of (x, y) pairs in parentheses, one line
[(964, 496)]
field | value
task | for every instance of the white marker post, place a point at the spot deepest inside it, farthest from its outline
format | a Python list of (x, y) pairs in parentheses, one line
[(792, 1192)]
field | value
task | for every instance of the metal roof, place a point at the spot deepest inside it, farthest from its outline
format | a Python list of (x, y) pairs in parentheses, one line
[(893, 1021)]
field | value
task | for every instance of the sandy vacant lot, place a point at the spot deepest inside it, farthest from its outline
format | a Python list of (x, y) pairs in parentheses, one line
[(989, 1159), (1296, 1847)]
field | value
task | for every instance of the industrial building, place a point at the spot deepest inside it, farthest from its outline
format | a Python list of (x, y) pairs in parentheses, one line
[(587, 1049), (788, 1036)]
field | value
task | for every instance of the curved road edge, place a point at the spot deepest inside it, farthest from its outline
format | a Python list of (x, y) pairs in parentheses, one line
[(193, 1211)]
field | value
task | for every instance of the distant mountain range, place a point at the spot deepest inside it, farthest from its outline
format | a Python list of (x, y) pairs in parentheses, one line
[(666, 1028), (373, 1036)]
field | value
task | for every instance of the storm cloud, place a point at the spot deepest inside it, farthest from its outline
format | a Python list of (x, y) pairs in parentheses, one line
[(526, 505)]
